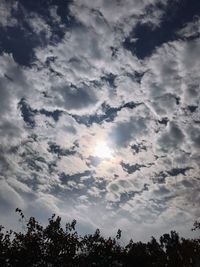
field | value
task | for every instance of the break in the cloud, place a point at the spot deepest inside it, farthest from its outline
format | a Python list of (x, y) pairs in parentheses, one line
[(100, 113)]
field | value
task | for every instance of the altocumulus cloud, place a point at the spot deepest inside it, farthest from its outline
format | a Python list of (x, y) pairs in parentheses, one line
[(78, 74)]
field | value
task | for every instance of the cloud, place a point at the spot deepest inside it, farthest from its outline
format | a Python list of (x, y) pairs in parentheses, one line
[(9, 198), (7, 8), (172, 139), (83, 87), (75, 98), (191, 30)]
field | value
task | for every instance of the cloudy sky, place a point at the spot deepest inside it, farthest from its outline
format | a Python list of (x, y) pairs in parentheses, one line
[(100, 114)]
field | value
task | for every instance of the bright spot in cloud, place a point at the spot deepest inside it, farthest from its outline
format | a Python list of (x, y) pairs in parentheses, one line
[(103, 151)]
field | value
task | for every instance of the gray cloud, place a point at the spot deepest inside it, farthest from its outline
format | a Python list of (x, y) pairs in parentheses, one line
[(171, 139), (125, 132), (9, 198), (75, 98), (83, 89)]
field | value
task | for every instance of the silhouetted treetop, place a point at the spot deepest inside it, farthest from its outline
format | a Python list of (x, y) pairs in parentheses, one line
[(52, 245)]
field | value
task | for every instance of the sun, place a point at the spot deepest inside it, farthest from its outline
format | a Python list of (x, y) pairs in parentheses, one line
[(103, 151)]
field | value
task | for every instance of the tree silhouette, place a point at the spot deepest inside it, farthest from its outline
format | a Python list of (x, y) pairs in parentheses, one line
[(54, 245)]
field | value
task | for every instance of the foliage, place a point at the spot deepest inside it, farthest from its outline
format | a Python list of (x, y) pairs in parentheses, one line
[(54, 246)]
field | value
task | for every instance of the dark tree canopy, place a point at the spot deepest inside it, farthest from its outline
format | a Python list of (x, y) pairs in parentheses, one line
[(54, 245)]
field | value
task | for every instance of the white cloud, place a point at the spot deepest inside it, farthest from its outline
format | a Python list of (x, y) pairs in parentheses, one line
[(72, 77)]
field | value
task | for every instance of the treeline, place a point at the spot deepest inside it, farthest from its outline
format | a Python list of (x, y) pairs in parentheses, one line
[(54, 245)]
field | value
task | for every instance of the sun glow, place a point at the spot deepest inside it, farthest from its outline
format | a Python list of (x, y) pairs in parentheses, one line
[(103, 151)]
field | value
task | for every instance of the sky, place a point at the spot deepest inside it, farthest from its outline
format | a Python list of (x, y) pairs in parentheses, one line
[(100, 114)]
